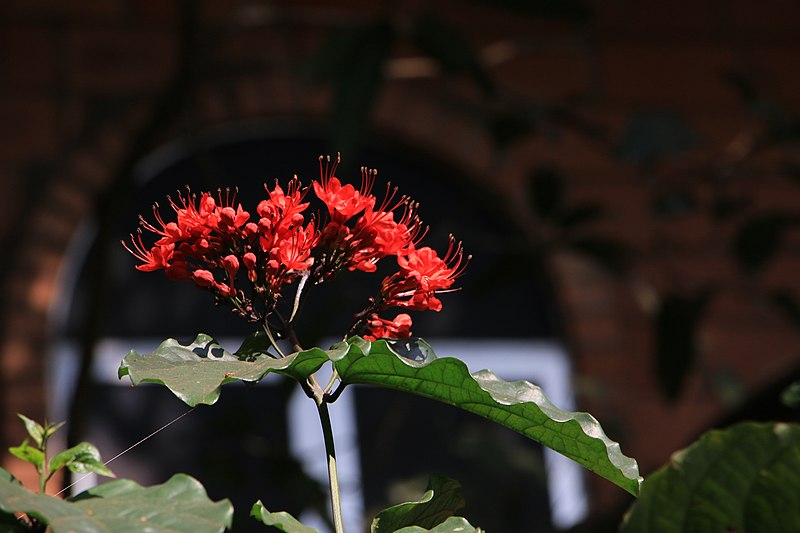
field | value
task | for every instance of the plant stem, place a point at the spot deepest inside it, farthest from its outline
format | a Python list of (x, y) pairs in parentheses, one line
[(333, 477)]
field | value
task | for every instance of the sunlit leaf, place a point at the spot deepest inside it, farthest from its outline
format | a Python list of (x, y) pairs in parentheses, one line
[(518, 405), (440, 501), (195, 371), (280, 520), (83, 458), (454, 524), (180, 505), (34, 429), (745, 478), (28, 453)]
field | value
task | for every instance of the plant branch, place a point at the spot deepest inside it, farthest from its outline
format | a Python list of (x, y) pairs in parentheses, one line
[(333, 477)]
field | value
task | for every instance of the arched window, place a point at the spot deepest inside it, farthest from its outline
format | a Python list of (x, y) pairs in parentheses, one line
[(246, 447)]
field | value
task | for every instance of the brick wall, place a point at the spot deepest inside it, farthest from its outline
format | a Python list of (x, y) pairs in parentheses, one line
[(79, 82)]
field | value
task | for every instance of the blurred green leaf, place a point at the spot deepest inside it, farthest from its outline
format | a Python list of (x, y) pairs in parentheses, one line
[(28, 453), (676, 342), (440, 501), (759, 239), (790, 397), (448, 46), (546, 191), (35, 430), (745, 478)]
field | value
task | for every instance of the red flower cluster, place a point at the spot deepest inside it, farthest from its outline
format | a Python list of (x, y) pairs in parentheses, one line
[(218, 245)]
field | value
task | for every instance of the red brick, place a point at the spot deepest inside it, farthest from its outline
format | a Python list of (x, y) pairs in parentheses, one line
[(28, 58), (29, 128), (122, 61), (657, 73), (82, 10)]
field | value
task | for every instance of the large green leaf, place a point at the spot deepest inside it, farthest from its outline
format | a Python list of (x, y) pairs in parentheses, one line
[(454, 524), (280, 520), (518, 405), (745, 478), (195, 371), (179, 505), (440, 501)]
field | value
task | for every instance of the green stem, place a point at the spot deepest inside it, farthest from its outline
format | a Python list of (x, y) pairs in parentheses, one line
[(333, 477), (43, 468)]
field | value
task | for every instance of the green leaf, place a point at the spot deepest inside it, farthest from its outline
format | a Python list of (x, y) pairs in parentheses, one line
[(179, 505), (440, 501), (790, 397), (518, 405), (194, 372), (758, 240), (35, 430), (745, 478), (454, 524), (83, 458), (28, 453), (280, 520)]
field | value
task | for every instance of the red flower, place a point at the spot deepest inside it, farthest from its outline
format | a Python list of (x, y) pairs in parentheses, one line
[(380, 328), (422, 275), (343, 202)]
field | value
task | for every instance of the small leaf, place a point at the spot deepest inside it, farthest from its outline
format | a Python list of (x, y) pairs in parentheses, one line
[(759, 239), (28, 453), (83, 459), (744, 478), (35, 430), (180, 505), (517, 405), (440, 501), (676, 343), (546, 191), (790, 397), (280, 520), (194, 372), (454, 524)]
